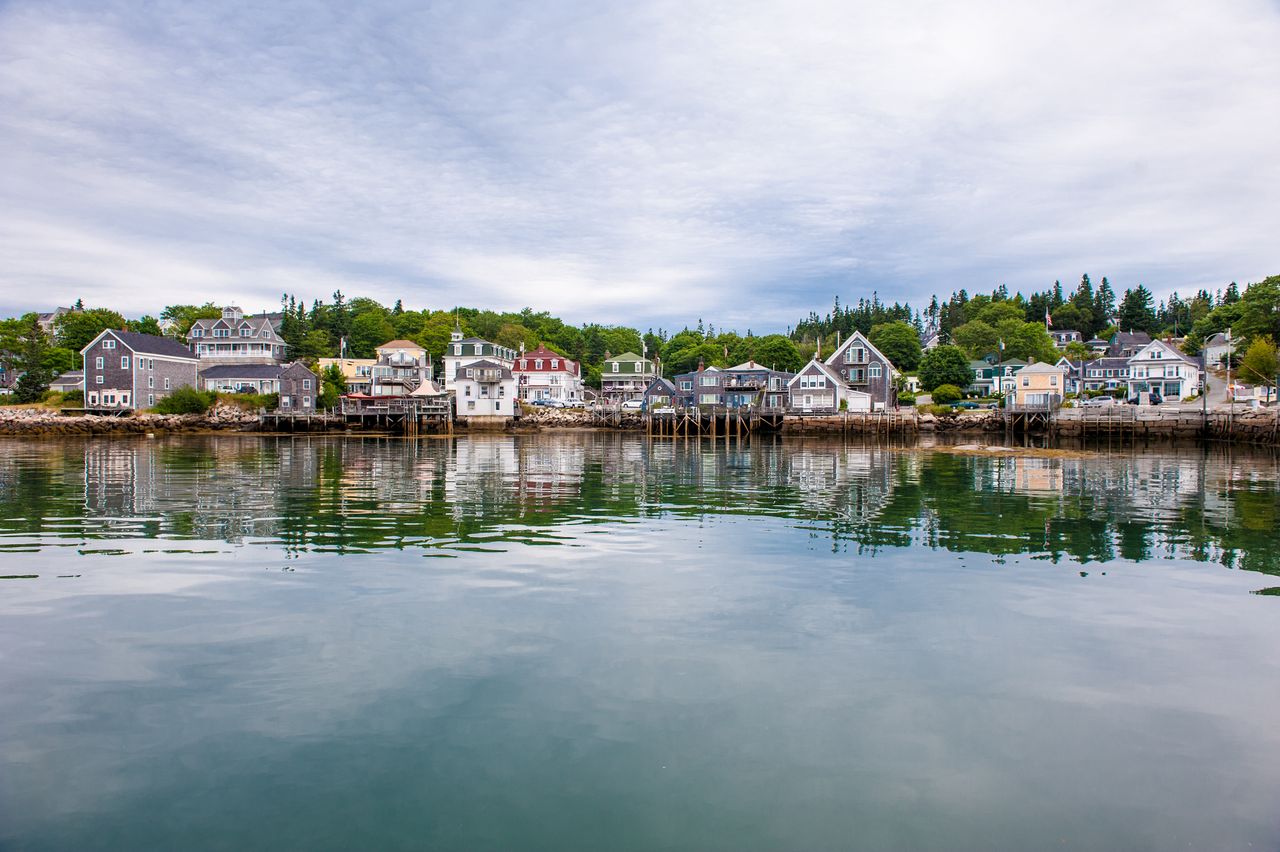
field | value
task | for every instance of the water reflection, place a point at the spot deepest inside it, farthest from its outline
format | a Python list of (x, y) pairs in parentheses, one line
[(353, 495)]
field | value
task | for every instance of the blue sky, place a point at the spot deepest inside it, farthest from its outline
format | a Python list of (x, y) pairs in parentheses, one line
[(646, 163)]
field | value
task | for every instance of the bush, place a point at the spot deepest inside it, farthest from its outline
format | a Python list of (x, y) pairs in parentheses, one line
[(76, 396), (844, 405), (906, 398), (186, 400), (251, 401), (946, 394), (938, 410)]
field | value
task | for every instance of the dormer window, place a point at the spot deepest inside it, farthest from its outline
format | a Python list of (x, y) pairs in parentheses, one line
[(537, 365), (615, 366), (245, 331), (197, 332), (524, 365), (555, 364)]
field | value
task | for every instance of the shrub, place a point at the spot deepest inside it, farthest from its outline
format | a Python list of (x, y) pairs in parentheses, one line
[(906, 398), (76, 396), (844, 405), (186, 400), (251, 401), (938, 410), (946, 394)]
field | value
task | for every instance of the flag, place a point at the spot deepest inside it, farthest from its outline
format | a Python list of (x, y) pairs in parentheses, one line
[(1048, 320)]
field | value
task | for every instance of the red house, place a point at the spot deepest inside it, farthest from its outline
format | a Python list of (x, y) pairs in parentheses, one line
[(543, 374)]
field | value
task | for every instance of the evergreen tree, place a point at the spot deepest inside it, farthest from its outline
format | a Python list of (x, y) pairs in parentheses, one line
[(1136, 313)]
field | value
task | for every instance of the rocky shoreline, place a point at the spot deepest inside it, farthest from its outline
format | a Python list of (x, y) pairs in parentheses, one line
[(43, 421)]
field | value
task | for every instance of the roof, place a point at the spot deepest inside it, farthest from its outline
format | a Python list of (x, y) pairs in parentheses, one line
[(242, 371), (69, 375), (1216, 339), (486, 364), (402, 344), (662, 384), (626, 356), (1178, 353), (863, 341), (428, 388), (148, 344), (823, 367), (1041, 367)]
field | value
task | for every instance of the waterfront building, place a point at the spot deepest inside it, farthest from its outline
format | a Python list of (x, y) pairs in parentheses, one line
[(468, 350), (299, 389), (991, 377), (485, 390), (124, 371), (662, 393), (400, 368), (624, 377), (357, 373), (1164, 369), (819, 389), (49, 321), (241, 378), (543, 374), (235, 338), (863, 367), (1039, 385), (748, 385)]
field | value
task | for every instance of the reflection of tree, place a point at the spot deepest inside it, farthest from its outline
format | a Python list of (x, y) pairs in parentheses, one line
[(309, 493)]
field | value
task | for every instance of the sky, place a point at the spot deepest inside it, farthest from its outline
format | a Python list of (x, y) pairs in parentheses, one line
[(641, 163)]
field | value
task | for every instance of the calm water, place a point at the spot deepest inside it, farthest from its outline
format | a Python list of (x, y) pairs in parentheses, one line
[(587, 641)]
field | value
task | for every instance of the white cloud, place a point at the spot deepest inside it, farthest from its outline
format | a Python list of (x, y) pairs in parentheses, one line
[(651, 163)]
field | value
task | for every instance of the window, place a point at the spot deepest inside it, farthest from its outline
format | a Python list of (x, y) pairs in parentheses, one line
[(686, 385), (497, 406), (97, 380), (124, 362), (166, 383), (709, 398), (615, 366), (151, 381), (197, 332), (151, 399), (708, 381), (108, 344), (524, 364), (99, 362), (470, 373), (875, 371), (245, 331), (306, 402), (555, 363), (306, 384), (1026, 383), (467, 391), (1053, 381), (93, 397), (471, 404)]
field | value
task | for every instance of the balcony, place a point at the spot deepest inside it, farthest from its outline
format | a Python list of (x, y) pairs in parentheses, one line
[(486, 376)]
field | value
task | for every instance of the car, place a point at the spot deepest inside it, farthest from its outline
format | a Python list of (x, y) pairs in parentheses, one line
[(968, 405), (633, 405), (548, 403), (1098, 401)]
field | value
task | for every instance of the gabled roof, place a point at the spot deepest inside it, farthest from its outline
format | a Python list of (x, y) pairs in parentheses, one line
[(486, 364), (146, 344), (862, 341), (1040, 367), (1177, 353), (401, 344), (661, 384), (626, 356), (1216, 339)]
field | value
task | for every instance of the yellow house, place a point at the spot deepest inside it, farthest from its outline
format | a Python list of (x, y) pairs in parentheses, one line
[(357, 372), (1039, 385)]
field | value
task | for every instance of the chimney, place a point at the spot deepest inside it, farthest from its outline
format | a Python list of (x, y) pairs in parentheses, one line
[(701, 365)]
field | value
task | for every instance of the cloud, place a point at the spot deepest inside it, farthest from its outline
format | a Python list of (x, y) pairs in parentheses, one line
[(647, 163)]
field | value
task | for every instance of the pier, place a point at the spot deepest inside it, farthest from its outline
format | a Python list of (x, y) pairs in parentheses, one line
[(712, 421), (407, 415)]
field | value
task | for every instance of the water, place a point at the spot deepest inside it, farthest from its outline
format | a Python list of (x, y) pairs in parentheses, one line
[(588, 641)]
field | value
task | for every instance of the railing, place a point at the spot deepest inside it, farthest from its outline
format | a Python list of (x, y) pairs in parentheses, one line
[(486, 376)]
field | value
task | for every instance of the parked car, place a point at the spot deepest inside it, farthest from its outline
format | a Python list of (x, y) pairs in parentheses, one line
[(1152, 399), (968, 405), (1098, 401), (633, 405), (549, 403)]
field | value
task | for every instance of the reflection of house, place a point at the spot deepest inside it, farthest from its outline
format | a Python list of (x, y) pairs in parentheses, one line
[(624, 377), (864, 368), (1039, 385), (819, 389), (124, 370), (235, 338), (543, 374), (1165, 370)]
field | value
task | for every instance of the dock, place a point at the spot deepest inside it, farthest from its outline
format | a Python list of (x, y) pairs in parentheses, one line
[(408, 415)]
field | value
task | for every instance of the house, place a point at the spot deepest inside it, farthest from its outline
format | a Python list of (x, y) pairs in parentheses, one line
[(819, 389), (49, 322), (235, 338), (299, 389), (241, 378), (932, 340), (1125, 344), (991, 376), (1064, 336), (467, 350), (485, 390), (1100, 374), (401, 366), (704, 386), (624, 377), (125, 371), (72, 380), (357, 373), (864, 368), (1160, 368), (1098, 346), (752, 384), (1039, 385), (543, 374), (661, 393), (1216, 349)]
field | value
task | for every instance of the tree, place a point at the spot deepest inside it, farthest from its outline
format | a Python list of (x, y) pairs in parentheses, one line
[(898, 342), (1077, 351), (314, 346), (31, 361), (945, 365), (1260, 364), (368, 331), (145, 325), (1259, 311), (1136, 311), (332, 386), (184, 316), (976, 338), (777, 352), (76, 330), (947, 394)]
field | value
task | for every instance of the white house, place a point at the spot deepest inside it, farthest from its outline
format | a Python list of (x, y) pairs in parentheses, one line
[(819, 389), (1165, 370), (485, 390), (1216, 349), (467, 350)]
